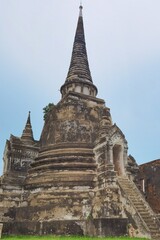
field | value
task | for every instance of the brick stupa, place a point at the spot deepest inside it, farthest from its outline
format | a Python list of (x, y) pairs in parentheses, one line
[(77, 179)]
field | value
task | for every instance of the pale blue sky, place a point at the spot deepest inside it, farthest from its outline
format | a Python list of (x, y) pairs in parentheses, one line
[(123, 43)]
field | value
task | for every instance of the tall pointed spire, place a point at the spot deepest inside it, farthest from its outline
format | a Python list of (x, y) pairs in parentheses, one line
[(27, 135), (79, 77)]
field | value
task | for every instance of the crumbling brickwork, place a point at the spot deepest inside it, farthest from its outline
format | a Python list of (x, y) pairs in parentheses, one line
[(149, 177)]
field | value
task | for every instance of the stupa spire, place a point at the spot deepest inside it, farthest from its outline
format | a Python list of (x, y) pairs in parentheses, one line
[(27, 135), (80, 12), (79, 72)]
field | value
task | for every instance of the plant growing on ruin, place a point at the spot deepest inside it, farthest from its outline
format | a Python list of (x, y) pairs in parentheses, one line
[(47, 109)]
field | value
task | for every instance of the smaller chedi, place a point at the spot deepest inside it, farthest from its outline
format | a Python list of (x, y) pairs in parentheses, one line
[(78, 178)]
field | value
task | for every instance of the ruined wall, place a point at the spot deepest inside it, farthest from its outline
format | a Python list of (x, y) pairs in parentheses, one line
[(150, 173), (17, 158)]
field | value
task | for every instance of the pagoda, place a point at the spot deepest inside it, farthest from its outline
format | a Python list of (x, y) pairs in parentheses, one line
[(78, 178)]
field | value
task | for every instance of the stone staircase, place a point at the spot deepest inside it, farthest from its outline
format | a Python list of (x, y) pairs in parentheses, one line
[(141, 206)]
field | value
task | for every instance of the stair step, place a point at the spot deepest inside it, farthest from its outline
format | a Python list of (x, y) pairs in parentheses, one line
[(149, 222), (149, 218), (151, 225), (145, 211), (140, 207), (153, 230), (144, 215), (138, 203)]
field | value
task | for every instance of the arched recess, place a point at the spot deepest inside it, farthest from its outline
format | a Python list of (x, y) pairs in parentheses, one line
[(118, 160)]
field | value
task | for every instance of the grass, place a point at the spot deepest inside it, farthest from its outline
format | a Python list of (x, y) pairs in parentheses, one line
[(67, 238)]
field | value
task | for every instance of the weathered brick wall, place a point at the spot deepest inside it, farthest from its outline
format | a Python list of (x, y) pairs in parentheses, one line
[(150, 172)]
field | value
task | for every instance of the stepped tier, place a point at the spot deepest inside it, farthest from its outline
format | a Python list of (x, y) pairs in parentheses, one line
[(70, 165)]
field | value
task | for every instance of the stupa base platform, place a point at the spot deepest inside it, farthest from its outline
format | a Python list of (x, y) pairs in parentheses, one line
[(89, 227)]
